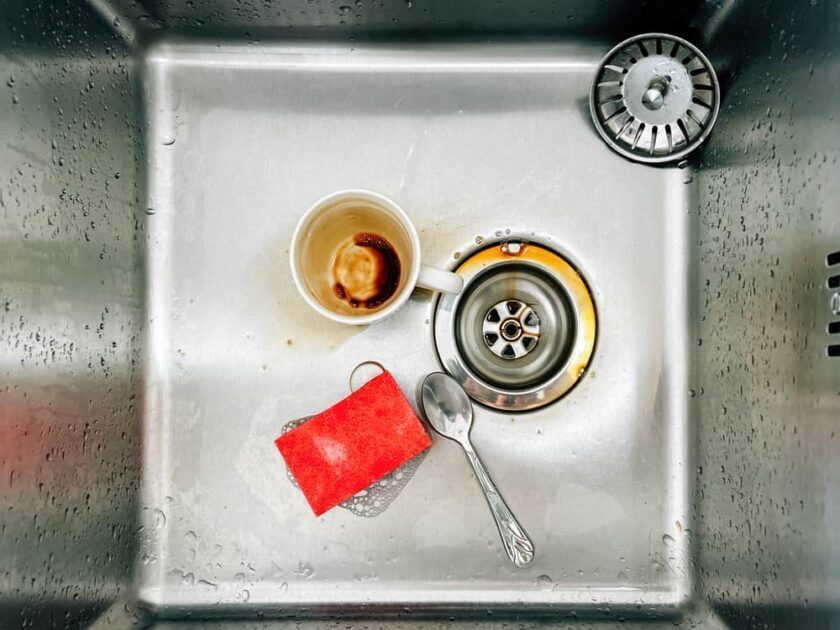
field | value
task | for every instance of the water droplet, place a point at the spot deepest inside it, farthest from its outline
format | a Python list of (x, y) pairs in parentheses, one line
[(668, 539), (305, 570), (159, 518), (150, 211)]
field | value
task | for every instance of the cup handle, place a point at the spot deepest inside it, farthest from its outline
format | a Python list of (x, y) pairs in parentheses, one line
[(439, 280)]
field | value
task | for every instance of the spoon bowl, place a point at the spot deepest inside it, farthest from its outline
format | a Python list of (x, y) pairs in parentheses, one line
[(447, 406)]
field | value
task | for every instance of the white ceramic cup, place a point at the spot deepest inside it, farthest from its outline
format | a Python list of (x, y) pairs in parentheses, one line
[(335, 219)]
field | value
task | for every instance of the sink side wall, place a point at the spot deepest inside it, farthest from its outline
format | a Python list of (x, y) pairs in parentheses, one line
[(70, 312), (260, 20), (768, 481)]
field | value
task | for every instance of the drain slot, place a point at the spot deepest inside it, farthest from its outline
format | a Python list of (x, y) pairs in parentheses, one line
[(522, 331), (833, 283)]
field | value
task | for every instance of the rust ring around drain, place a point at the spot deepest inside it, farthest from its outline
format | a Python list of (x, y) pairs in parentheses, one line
[(532, 258)]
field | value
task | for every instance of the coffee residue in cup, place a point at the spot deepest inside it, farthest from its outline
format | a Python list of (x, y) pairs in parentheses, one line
[(366, 271)]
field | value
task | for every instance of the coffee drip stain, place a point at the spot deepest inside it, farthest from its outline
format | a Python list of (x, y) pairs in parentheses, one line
[(387, 271)]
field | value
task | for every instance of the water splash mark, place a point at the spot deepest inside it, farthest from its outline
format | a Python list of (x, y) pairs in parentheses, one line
[(376, 498)]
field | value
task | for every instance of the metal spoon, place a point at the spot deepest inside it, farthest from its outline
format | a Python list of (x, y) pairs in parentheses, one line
[(450, 412)]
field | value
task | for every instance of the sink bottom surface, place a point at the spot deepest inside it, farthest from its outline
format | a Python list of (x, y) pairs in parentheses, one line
[(472, 141)]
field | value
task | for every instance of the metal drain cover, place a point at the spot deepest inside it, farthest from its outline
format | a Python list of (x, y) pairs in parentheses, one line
[(654, 98), (522, 331), (511, 329)]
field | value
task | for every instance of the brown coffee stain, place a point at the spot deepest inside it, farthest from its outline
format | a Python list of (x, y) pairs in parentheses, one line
[(379, 280)]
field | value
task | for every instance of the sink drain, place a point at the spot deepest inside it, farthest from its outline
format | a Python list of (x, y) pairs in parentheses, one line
[(654, 98), (522, 331), (511, 329)]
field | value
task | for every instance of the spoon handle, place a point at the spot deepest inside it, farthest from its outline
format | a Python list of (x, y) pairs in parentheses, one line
[(518, 546)]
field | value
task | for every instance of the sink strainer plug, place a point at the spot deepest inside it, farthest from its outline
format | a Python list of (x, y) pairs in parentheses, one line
[(654, 98)]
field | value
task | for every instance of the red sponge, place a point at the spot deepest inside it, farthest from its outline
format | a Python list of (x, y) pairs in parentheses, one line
[(352, 444)]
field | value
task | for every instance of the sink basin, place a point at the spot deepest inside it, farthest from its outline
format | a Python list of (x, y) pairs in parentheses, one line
[(473, 141), (157, 157)]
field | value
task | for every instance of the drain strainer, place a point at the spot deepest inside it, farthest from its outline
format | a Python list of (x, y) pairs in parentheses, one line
[(521, 332), (511, 329), (654, 98)]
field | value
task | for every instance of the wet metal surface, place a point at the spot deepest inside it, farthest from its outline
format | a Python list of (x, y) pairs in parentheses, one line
[(144, 226)]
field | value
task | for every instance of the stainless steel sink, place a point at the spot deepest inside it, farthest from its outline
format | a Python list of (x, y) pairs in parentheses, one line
[(156, 157)]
